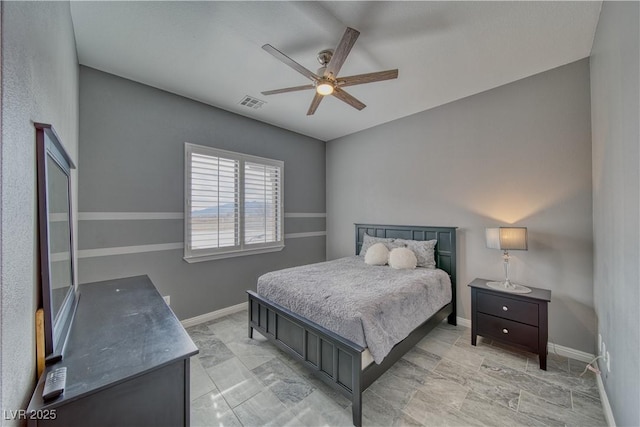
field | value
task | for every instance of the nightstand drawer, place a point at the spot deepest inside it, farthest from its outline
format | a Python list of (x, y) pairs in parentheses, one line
[(507, 330), (508, 308)]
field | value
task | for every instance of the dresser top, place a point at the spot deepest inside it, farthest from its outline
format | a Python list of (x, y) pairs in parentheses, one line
[(536, 293), (122, 328)]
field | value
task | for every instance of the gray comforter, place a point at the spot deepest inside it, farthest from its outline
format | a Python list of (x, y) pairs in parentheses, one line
[(373, 306)]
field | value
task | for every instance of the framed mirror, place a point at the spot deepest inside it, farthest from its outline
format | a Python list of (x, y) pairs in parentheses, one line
[(59, 296)]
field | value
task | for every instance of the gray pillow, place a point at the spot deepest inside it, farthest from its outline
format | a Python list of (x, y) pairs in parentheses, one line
[(424, 250), (369, 241)]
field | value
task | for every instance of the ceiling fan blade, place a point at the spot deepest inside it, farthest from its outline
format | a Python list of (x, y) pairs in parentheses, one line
[(290, 62), (367, 78), (340, 54), (344, 96), (314, 104), (288, 89)]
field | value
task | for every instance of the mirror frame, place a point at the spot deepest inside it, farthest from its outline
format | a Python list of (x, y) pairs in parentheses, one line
[(56, 327)]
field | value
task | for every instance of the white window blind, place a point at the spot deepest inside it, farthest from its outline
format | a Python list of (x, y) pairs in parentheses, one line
[(214, 206), (261, 203), (233, 204)]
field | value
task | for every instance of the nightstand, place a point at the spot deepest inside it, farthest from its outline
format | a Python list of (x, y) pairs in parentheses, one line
[(516, 319)]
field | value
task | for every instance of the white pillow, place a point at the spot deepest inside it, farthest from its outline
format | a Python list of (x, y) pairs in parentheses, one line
[(402, 258), (377, 254)]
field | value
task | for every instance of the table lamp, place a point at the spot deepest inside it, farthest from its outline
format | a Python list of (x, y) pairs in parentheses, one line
[(507, 239)]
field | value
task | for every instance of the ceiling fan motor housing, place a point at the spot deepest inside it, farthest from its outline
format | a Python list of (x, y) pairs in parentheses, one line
[(324, 56)]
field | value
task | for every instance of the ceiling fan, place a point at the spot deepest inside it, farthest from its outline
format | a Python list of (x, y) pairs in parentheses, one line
[(326, 80)]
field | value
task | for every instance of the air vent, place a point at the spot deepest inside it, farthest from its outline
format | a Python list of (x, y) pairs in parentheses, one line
[(251, 102)]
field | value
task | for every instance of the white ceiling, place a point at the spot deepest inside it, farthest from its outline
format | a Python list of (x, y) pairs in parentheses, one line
[(211, 51)]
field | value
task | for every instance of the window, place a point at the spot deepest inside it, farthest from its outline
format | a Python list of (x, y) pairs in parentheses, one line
[(233, 204)]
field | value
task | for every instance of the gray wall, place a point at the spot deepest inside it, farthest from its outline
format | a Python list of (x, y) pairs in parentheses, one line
[(132, 153), (519, 154), (39, 83), (615, 94)]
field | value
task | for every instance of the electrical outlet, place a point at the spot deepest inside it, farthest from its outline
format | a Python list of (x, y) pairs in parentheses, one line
[(167, 299), (608, 359), (599, 344)]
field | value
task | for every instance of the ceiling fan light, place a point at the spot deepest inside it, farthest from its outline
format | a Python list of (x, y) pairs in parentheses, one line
[(324, 89)]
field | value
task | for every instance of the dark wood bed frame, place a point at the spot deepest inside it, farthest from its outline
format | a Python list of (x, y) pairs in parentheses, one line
[(334, 359)]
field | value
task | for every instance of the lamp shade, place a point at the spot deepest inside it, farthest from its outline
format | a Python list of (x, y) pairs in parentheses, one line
[(507, 238)]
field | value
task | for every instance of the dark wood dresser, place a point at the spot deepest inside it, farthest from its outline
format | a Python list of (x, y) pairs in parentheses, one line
[(517, 319), (127, 359)]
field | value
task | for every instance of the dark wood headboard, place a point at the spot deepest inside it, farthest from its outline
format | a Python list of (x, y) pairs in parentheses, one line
[(445, 248)]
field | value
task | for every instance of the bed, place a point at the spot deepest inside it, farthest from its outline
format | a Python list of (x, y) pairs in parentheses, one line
[(352, 364)]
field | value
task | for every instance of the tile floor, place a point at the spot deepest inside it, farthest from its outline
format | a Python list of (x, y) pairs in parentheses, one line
[(443, 381)]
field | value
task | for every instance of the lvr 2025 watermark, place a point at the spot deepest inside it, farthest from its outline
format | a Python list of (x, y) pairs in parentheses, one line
[(23, 414)]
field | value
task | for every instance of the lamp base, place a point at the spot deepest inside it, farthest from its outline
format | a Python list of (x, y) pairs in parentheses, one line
[(513, 288)]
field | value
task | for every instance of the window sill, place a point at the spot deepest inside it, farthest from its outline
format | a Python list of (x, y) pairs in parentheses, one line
[(213, 257)]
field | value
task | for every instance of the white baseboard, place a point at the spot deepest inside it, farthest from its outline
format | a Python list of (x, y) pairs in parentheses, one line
[(606, 407), (560, 350), (207, 317), (463, 322)]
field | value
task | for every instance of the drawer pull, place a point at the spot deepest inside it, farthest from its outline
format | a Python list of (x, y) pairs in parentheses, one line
[(505, 308), (505, 331)]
